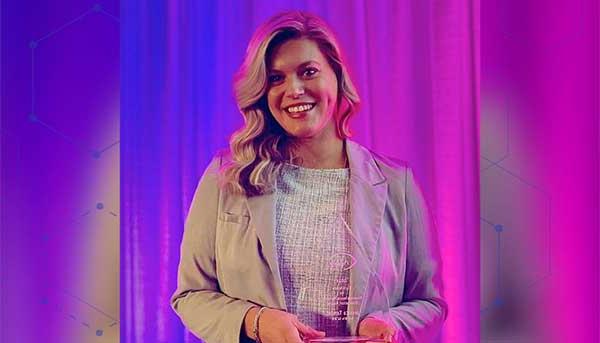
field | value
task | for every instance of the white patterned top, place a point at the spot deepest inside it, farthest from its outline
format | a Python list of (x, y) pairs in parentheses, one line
[(310, 235)]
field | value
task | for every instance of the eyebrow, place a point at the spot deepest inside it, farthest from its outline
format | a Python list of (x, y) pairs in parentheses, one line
[(302, 65)]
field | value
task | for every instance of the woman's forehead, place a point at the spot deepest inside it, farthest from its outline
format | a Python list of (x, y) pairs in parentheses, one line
[(294, 53)]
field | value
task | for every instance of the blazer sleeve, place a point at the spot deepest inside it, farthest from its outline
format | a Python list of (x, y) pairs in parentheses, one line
[(420, 315), (203, 308)]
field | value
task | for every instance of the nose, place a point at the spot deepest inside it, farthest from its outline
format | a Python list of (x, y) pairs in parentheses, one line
[(294, 88)]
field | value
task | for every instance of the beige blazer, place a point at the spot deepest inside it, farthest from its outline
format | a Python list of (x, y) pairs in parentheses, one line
[(228, 260)]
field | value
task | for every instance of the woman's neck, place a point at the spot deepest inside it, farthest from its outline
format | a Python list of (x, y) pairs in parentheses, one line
[(310, 153)]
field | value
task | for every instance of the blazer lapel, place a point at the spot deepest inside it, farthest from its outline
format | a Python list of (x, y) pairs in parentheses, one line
[(262, 214), (368, 196)]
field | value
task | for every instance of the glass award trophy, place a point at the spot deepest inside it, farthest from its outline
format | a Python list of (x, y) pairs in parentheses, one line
[(344, 277)]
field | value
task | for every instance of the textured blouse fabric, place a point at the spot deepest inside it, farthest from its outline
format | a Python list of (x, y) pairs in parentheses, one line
[(309, 234)]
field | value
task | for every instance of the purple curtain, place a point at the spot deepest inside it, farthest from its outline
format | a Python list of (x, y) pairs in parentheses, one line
[(416, 65)]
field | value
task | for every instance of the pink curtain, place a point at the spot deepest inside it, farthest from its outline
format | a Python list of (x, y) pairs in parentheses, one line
[(416, 65)]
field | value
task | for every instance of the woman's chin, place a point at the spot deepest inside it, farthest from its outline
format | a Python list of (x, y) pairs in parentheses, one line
[(302, 133)]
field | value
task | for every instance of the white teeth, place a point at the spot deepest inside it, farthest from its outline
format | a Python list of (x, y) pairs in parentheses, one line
[(300, 108)]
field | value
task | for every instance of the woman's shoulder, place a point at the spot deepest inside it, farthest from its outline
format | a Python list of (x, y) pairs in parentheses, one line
[(223, 155), (391, 167), (219, 159), (213, 169), (390, 164), (397, 172)]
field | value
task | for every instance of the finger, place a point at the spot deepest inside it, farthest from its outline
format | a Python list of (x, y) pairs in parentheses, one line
[(310, 332), (307, 330)]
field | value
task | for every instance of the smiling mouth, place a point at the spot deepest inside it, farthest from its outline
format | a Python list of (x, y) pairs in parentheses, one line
[(301, 108)]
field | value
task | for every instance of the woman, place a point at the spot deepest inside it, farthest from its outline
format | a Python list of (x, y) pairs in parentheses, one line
[(292, 193)]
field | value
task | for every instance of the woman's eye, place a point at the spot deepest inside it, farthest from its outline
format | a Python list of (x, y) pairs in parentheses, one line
[(274, 78), (310, 72)]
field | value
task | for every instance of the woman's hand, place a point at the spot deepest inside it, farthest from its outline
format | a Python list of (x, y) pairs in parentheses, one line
[(376, 328), (275, 326)]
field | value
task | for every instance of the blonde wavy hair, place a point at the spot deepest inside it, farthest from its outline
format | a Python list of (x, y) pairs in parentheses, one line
[(261, 146)]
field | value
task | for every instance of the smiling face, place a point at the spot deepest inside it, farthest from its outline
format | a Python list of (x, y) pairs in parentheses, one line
[(303, 90)]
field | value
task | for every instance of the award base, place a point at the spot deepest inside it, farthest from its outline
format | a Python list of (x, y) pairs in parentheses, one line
[(344, 339)]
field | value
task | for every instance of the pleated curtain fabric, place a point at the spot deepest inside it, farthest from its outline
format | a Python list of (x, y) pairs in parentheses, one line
[(416, 66)]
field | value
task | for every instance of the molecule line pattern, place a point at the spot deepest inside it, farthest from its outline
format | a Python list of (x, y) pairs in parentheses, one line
[(98, 330), (498, 298), (501, 228), (95, 152), (33, 117), (113, 319), (58, 308), (506, 153), (99, 206), (497, 163), (77, 220)]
